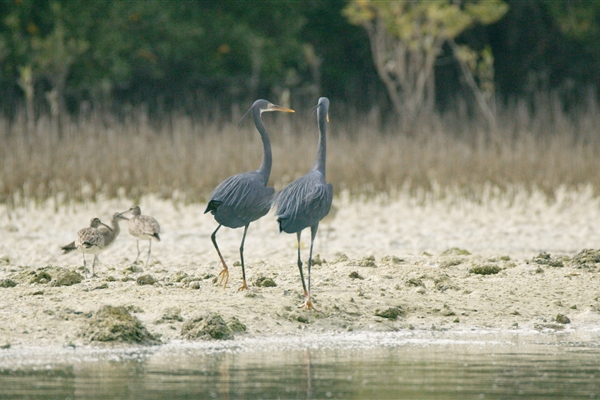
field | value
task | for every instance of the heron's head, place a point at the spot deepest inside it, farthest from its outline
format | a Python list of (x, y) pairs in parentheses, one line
[(323, 107), (264, 106)]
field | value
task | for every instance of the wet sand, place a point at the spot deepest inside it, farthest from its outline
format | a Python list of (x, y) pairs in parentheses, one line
[(386, 265)]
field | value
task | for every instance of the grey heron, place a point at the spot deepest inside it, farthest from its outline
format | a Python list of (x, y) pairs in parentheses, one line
[(307, 200), (244, 198)]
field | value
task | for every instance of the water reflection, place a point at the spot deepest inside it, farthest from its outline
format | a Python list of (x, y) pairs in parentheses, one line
[(406, 370)]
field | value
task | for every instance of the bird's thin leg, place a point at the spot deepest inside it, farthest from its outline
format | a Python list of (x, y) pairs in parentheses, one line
[(313, 232), (300, 264), (84, 267), (149, 249), (224, 274), (244, 284), (138, 247), (94, 266)]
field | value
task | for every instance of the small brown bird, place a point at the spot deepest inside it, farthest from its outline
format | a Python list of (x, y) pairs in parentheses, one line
[(110, 234), (89, 240), (142, 227)]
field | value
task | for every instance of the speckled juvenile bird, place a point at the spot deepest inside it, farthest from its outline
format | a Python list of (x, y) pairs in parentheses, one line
[(89, 240), (109, 233), (142, 227)]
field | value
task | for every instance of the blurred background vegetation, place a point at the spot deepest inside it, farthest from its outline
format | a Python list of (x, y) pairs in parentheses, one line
[(463, 77), (177, 54)]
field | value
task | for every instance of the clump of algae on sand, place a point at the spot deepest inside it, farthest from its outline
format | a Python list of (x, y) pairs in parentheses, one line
[(211, 326), (485, 269), (54, 276), (115, 324), (586, 258)]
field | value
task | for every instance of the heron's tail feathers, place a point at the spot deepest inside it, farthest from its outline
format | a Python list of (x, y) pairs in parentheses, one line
[(212, 206)]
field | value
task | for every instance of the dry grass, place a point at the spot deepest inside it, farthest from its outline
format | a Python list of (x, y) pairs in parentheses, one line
[(184, 158)]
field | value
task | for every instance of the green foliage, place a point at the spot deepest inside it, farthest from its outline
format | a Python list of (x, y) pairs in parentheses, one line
[(410, 21), (486, 12), (481, 65), (407, 37), (141, 51), (579, 19), (111, 46)]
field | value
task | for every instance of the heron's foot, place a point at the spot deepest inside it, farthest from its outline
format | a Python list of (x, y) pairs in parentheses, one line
[(94, 276), (223, 277), (308, 305), (243, 287)]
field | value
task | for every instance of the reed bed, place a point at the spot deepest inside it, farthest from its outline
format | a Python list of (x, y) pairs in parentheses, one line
[(183, 157)]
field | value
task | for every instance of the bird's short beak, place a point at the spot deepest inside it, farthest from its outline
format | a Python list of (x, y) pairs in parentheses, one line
[(279, 108)]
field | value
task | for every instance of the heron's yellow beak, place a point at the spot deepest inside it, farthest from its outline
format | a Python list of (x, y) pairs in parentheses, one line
[(327, 117), (279, 108)]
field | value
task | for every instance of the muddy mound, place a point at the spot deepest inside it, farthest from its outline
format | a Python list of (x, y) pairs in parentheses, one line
[(587, 258), (64, 277), (546, 259), (54, 276), (115, 324), (263, 281), (211, 326)]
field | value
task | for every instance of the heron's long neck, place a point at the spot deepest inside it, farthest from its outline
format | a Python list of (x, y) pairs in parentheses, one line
[(320, 159), (265, 167)]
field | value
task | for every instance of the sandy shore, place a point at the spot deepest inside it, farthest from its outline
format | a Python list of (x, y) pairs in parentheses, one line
[(386, 265)]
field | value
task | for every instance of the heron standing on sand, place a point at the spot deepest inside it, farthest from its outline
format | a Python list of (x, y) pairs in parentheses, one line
[(307, 200), (244, 198), (142, 227), (89, 240)]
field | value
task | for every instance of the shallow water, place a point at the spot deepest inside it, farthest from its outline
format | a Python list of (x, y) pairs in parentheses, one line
[(369, 366)]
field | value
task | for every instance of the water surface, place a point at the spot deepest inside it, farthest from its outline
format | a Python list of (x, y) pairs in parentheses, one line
[(358, 366)]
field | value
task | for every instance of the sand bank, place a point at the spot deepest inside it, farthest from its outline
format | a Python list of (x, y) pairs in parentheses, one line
[(385, 265)]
